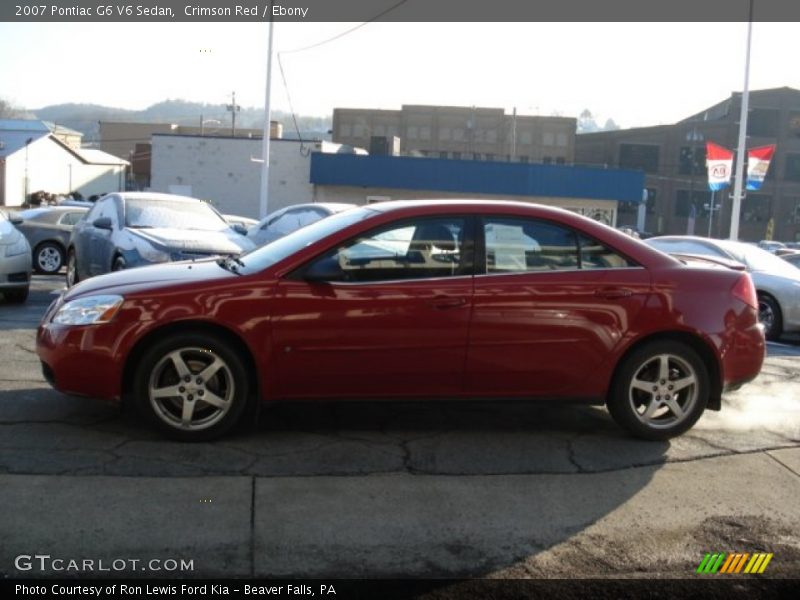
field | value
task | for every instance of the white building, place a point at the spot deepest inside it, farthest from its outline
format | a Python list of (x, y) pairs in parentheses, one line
[(33, 159), (227, 171)]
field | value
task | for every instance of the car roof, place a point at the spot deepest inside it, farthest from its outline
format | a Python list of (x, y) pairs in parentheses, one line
[(154, 196)]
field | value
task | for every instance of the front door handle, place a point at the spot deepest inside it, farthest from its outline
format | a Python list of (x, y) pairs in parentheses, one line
[(613, 292), (443, 302)]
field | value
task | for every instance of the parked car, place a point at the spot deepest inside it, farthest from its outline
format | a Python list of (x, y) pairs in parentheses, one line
[(422, 299), (792, 259), (285, 220), (47, 231), (771, 245), (133, 229), (777, 282), (15, 261)]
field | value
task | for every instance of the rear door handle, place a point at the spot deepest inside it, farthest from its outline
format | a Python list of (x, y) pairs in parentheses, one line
[(443, 302), (612, 293)]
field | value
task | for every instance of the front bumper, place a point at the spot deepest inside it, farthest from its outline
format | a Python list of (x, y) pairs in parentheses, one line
[(15, 271)]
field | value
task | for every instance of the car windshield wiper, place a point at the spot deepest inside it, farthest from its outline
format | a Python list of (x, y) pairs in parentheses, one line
[(230, 262)]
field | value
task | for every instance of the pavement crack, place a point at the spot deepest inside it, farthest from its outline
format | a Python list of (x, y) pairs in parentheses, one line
[(24, 349), (572, 456), (783, 464)]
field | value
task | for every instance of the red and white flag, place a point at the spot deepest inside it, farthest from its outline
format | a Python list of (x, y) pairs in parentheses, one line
[(719, 162), (757, 164)]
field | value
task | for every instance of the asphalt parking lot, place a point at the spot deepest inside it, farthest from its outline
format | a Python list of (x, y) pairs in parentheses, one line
[(395, 489)]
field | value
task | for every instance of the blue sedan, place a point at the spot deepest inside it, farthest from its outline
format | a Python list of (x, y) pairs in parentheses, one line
[(132, 229)]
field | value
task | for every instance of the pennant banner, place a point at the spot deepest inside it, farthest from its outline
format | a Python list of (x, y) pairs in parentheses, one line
[(719, 162), (757, 164)]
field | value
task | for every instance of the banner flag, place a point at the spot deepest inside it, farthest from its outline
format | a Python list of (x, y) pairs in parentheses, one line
[(758, 160), (719, 162)]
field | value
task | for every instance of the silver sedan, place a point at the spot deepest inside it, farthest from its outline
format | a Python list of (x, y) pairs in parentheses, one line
[(777, 282), (15, 261)]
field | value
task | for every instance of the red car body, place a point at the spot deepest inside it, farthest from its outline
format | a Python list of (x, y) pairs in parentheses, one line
[(544, 334)]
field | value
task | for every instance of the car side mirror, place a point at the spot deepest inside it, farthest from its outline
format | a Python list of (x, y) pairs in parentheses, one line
[(102, 223), (239, 228), (16, 220), (324, 270)]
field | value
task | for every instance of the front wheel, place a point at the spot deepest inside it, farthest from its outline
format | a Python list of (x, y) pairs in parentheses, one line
[(660, 390), (72, 269), (192, 386)]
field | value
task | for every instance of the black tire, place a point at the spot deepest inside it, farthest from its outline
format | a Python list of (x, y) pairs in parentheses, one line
[(17, 296), (769, 313), (119, 264), (647, 404), (48, 258), (159, 369), (72, 276)]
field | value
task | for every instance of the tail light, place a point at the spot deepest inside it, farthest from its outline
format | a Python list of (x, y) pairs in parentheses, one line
[(745, 291)]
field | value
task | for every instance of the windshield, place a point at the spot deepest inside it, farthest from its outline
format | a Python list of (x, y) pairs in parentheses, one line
[(757, 259), (276, 251), (180, 214)]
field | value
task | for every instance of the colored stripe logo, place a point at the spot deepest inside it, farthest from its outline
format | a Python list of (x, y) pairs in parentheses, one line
[(734, 563)]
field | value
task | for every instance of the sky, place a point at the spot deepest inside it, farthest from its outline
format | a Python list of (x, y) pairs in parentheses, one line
[(639, 74)]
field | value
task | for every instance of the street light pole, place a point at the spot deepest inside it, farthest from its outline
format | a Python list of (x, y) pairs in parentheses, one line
[(740, 152), (264, 196)]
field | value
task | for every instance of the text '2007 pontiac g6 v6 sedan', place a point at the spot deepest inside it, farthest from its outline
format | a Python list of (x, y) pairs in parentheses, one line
[(427, 299)]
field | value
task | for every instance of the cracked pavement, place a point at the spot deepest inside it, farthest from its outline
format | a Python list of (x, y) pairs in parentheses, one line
[(396, 489)]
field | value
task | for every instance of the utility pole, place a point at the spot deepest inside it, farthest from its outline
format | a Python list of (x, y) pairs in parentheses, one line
[(233, 108), (264, 195), (740, 153)]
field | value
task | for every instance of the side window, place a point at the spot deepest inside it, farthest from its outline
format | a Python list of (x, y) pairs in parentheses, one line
[(528, 245), (71, 218), (108, 209), (415, 249), (595, 255), (94, 213)]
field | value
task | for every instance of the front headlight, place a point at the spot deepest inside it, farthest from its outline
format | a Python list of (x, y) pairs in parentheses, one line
[(18, 247), (153, 255), (88, 311)]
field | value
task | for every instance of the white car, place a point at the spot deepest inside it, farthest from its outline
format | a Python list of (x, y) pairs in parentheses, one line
[(286, 220), (777, 282), (15, 261)]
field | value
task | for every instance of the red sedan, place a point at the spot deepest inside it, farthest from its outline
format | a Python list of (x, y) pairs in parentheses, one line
[(427, 299)]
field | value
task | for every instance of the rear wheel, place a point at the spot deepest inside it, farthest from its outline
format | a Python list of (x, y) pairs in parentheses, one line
[(191, 386), (48, 258), (769, 313), (660, 390)]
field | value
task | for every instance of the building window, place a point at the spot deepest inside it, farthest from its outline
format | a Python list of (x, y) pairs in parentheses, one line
[(391, 130), (458, 134), (489, 156), (424, 132), (560, 160), (525, 137), (457, 155), (547, 160), (491, 136), (762, 122), (358, 130), (639, 156), (379, 130), (561, 140), (548, 138), (411, 132), (756, 208), (442, 154), (444, 133), (345, 130), (685, 199), (692, 160), (792, 170), (524, 159), (651, 200), (477, 156)]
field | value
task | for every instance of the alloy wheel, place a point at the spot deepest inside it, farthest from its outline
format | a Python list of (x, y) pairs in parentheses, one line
[(663, 391)]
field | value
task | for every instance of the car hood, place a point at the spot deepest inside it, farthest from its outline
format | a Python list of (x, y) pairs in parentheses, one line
[(191, 240), (146, 278)]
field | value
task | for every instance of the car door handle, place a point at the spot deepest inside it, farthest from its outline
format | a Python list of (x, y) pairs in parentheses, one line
[(612, 293), (442, 302)]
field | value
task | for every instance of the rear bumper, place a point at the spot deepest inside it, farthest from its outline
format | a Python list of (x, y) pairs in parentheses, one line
[(743, 357)]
